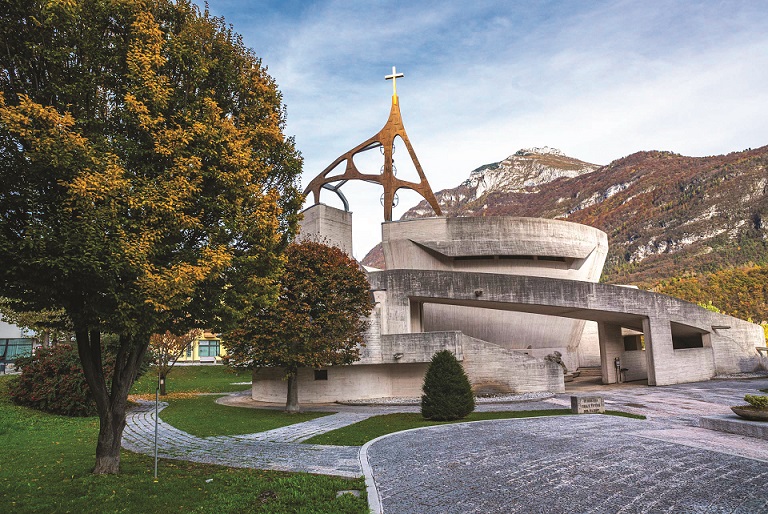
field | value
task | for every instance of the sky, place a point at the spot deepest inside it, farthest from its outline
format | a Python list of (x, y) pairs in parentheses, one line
[(598, 80)]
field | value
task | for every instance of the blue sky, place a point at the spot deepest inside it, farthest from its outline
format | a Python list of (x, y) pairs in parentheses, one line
[(597, 79)]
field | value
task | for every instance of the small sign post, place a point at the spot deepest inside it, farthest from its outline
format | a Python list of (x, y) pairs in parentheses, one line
[(587, 405)]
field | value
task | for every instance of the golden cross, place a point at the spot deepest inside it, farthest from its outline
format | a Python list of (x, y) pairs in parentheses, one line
[(395, 75)]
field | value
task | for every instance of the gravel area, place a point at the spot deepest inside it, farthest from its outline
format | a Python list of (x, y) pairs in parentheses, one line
[(498, 398)]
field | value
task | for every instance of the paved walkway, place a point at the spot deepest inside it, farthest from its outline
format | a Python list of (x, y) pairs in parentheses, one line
[(236, 451), (555, 464)]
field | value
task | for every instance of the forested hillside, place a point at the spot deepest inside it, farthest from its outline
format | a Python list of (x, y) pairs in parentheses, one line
[(667, 217)]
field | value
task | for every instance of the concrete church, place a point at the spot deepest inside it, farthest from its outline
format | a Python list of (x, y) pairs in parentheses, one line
[(508, 296)]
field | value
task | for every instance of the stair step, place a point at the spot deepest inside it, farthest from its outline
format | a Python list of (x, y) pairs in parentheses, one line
[(590, 372)]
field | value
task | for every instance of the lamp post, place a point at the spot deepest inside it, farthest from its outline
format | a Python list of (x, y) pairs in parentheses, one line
[(157, 401)]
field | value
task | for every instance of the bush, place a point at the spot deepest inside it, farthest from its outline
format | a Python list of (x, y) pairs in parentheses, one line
[(53, 381), (757, 401), (447, 393)]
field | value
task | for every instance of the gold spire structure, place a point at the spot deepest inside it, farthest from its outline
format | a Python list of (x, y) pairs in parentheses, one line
[(384, 139)]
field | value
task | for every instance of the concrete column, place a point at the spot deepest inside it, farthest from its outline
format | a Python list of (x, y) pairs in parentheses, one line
[(327, 225), (417, 315), (611, 346), (658, 349)]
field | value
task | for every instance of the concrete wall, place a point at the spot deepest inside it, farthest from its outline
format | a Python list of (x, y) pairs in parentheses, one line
[(8, 331), (327, 225), (636, 364), (729, 342), (344, 383), (488, 245), (510, 330), (589, 346), (490, 369)]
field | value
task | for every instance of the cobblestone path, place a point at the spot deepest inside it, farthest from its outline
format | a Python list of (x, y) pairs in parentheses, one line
[(584, 464), (273, 452), (590, 464)]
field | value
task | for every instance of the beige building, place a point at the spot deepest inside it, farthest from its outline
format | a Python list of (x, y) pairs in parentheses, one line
[(206, 349)]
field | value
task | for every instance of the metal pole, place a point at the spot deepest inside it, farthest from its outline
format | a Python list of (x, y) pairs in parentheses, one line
[(157, 400)]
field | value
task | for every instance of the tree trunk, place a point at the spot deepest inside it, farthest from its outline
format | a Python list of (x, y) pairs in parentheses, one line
[(111, 402), (292, 403), (108, 447)]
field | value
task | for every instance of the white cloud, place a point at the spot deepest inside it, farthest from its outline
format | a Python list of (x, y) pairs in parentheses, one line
[(598, 80)]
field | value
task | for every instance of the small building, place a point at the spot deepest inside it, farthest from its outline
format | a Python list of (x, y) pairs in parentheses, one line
[(14, 342), (206, 349)]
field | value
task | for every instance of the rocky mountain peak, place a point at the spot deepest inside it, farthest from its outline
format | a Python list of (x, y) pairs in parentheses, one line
[(525, 171), (544, 150)]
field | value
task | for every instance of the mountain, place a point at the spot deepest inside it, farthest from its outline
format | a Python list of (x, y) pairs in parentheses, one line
[(666, 215), (523, 172)]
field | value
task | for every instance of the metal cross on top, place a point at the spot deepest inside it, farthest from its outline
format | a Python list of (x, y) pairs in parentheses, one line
[(332, 179), (395, 75)]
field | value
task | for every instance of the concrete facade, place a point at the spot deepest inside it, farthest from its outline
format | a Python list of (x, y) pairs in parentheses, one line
[(502, 294), (506, 245), (327, 225)]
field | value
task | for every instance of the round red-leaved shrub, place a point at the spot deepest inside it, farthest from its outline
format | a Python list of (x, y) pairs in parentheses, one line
[(53, 381)]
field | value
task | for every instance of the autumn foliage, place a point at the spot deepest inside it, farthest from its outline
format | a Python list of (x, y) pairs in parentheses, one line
[(740, 292), (145, 180), (318, 320), (167, 348)]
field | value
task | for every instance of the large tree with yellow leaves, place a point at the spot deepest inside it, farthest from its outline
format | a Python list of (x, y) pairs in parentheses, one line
[(145, 180)]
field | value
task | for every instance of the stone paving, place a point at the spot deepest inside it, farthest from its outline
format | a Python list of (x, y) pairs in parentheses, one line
[(581, 464), (585, 463), (308, 429), (235, 451), (588, 463)]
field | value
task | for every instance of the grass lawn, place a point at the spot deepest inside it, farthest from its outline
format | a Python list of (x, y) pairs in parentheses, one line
[(45, 463), (195, 379), (371, 428), (201, 416)]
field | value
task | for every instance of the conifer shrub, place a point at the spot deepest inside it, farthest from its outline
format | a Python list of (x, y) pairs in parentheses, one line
[(757, 401), (447, 392), (52, 380)]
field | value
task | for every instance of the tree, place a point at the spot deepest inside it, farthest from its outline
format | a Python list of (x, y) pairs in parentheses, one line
[(167, 349), (319, 320), (49, 326), (447, 392), (145, 181)]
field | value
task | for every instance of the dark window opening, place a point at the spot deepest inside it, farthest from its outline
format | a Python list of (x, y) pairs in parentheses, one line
[(682, 342), (321, 374), (208, 348), (519, 257), (550, 258), (12, 348), (684, 337), (474, 258), (633, 343)]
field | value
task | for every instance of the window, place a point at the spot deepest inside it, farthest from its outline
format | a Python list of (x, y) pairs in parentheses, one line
[(551, 258), (189, 350), (684, 337), (208, 348), (12, 348), (321, 374)]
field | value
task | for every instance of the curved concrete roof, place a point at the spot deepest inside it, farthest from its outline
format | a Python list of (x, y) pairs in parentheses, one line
[(499, 236)]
